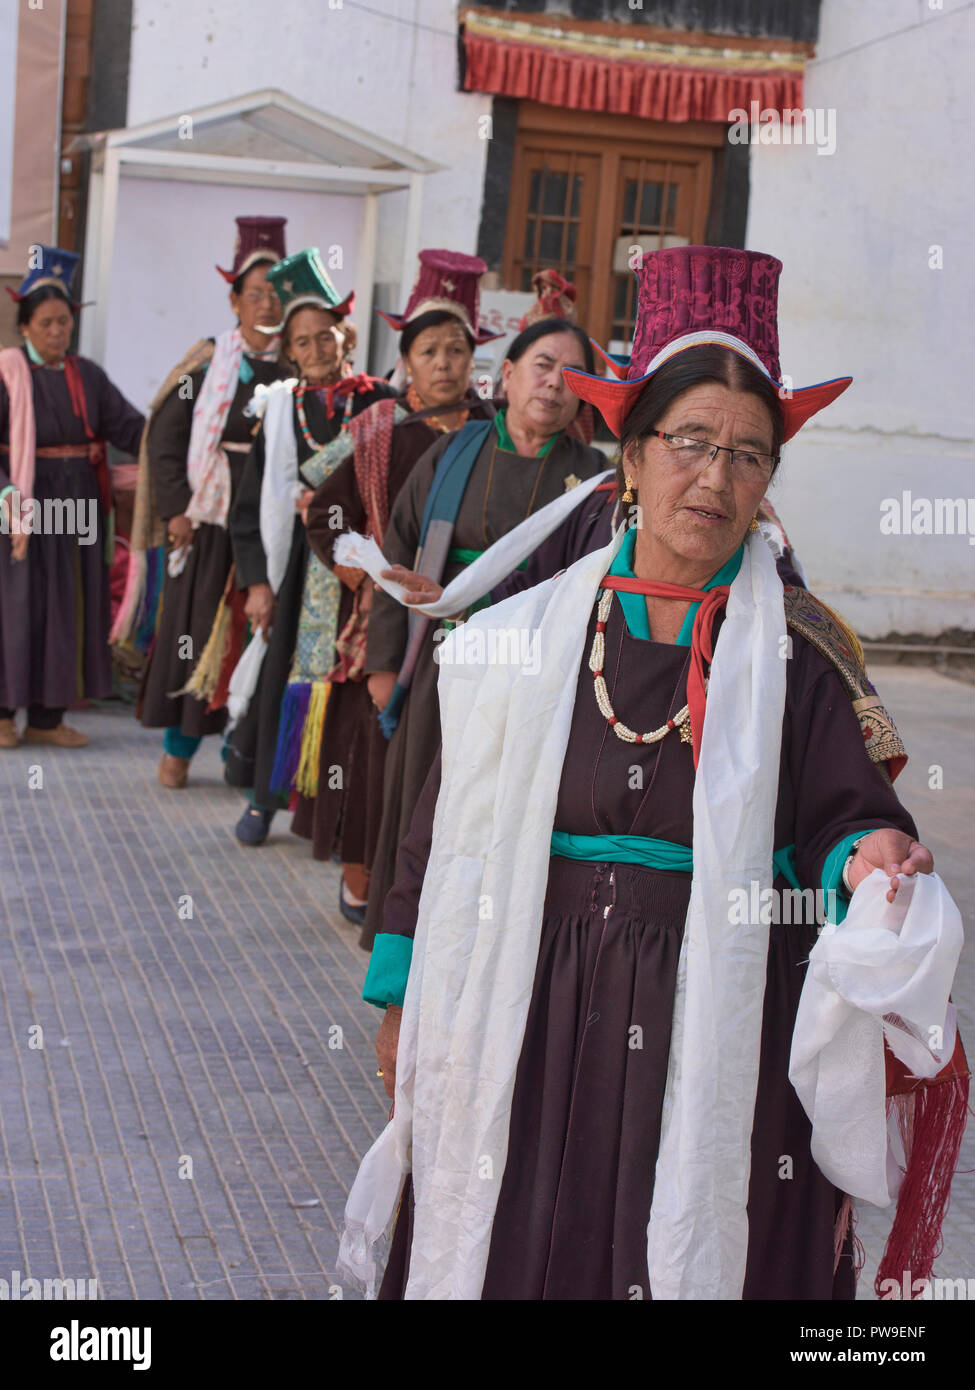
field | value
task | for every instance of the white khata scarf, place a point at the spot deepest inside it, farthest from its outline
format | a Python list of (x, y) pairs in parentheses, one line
[(505, 735), (281, 486)]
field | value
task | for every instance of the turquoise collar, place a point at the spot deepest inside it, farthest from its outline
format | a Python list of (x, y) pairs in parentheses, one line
[(506, 444), (38, 360), (634, 605)]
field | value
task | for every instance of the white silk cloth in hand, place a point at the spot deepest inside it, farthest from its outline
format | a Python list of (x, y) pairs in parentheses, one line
[(281, 486), (884, 972), (481, 575)]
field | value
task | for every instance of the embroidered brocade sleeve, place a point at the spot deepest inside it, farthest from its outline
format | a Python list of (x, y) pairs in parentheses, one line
[(336, 508), (317, 468)]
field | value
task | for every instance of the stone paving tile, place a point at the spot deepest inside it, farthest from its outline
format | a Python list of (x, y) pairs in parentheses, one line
[(186, 988), (200, 1007)]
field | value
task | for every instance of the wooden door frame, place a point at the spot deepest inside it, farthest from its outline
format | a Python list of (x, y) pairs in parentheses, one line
[(611, 138)]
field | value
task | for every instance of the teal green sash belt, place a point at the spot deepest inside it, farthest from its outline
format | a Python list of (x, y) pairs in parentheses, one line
[(652, 854), (457, 555)]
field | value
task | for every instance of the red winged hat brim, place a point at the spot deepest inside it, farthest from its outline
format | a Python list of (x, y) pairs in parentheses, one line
[(614, 399), (398, 322)]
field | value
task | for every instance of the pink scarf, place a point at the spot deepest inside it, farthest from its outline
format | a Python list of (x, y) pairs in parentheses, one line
[(206, 464), (16, 377)]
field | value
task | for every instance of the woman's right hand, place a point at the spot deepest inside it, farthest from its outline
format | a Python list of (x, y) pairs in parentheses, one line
[(421, 589), (179, 530), (18, 545), (380, 686), (387, 1043), (259, 608)]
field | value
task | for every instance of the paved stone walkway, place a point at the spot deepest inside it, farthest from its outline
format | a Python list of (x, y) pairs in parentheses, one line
[(188, 1119), (206, 1084)]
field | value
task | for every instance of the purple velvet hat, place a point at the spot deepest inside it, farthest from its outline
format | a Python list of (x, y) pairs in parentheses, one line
[(258, 239), (447, 280), (691, 295)]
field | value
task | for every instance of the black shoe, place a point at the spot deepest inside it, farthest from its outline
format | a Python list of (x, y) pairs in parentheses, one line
[(349, 911), (254, 826)]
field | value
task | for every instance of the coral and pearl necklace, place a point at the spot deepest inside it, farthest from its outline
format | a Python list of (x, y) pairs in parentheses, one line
[(597, 659)]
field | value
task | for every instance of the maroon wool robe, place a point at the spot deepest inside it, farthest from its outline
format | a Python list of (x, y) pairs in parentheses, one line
[(575, 1199)]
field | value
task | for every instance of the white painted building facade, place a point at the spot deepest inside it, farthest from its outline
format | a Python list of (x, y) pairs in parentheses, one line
[(855, 230)]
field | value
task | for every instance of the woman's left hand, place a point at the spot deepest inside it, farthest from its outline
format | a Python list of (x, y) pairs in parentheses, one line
[(18, 545), (301, 503), (893, 852)]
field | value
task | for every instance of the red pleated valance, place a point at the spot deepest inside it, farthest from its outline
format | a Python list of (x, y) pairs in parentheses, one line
[(631, 76)]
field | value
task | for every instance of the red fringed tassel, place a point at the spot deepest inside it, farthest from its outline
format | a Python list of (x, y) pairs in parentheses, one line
[(236, 598), (931, 1116)]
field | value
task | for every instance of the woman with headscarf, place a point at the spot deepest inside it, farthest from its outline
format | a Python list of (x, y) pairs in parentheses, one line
[(439, 330), (608, 1062), (197, 441), (300, 418), (56, 412)]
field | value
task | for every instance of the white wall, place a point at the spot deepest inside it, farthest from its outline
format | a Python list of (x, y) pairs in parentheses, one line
[(858, 298), (397, 79), (165, 292)]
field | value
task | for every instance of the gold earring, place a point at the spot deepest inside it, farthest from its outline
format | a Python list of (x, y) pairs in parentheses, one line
[(753, 524), (628, 494)]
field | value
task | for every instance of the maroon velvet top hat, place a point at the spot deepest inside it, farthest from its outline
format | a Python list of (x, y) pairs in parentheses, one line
[(258, 239), (447, 280), (556, 298), (690, 295)]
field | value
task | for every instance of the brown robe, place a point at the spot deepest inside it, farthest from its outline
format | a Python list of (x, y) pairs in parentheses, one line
[(252, 746), (190, 600), (345, 815), (575, 1199), (503, 489)]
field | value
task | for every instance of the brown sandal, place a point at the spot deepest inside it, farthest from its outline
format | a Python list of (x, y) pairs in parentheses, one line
[(173, 771)]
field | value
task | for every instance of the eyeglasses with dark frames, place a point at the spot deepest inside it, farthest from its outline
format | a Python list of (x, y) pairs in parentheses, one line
[(689, 453)]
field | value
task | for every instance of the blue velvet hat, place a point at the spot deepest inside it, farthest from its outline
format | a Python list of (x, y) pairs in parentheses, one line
[(50, 265)]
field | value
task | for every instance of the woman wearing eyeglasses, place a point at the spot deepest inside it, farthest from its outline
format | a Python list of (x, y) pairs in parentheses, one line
[(195, 447), (589, 967)]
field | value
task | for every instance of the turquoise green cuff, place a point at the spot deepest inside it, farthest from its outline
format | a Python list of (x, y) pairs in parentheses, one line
[(389, 969), (832, 876), (784, 863)]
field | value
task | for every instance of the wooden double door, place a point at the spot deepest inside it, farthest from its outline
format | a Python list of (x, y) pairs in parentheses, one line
[(587, 189)]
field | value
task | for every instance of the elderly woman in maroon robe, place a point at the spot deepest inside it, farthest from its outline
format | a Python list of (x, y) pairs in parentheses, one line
[(595, 1096), (439, 331), (317, 340), (196, 445), (530, 457), (56, 412)]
